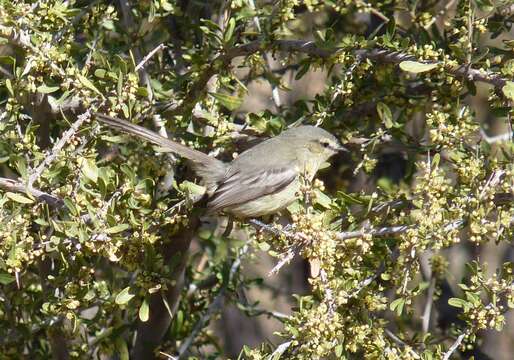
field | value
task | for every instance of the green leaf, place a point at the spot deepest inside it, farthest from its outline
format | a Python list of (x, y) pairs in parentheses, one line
[(71, 206), (117, 228), (436, 160), (322, 199), (122, 348), (90, 170), (349, 199), (166, 5), (458, 303), (144, 311), (19, 198), (228, 101), (87, 83), (100, 73), (397, 305), (191, 188), (417, 67), (385, 276), (6, 279), (508, 89), (385, 114), (8, 85), (230, 30), (338, 350), (124, 296), (45, 89)]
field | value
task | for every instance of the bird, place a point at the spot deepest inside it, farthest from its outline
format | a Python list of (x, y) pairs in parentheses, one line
[(262, 180)]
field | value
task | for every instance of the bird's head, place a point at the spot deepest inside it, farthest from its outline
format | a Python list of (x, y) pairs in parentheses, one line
[(317, 143)]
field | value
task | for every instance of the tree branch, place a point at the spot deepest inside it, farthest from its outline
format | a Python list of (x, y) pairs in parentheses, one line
[(19, 187), (454, 347), (312, 49), (68, 134)]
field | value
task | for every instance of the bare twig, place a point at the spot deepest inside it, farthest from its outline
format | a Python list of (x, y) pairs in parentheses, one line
[(68, 134), (428, 306), (384, 231), (168, 356), (402, 343), (286, 258), (148, 56), (297, 237), (279, 350), (6, 73), (211, 310), (454, 347)]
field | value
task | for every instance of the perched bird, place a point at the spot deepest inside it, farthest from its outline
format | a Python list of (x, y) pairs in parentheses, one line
[(260, 181)]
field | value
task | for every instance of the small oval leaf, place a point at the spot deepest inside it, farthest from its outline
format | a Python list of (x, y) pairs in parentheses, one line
[(124, 296), (508, 90), (144, 311), (87, 83), (456, 302), (44, 89), (19, 198), (117, 228), (90, 170), (228, 101), (417, 67), (385, 114)]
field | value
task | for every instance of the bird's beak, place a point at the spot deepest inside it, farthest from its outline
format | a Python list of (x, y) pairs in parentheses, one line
[(341, 148)]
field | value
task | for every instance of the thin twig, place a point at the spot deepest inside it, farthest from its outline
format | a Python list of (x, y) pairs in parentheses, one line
[(215, 305), (148, 56), (383, 231), (279, 350), (6, 73), (286, 258), (68, 134), (211, 310), (428, 306), (400, 342), (454, 347), (19, 187), (275, 95)]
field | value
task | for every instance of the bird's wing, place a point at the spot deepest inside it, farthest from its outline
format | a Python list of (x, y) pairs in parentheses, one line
[(241, 187)]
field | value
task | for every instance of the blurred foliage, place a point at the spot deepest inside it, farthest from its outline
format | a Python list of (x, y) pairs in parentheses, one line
[(78, 279)]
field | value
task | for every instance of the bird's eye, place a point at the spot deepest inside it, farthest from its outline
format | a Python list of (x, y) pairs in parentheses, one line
[(325, 144)]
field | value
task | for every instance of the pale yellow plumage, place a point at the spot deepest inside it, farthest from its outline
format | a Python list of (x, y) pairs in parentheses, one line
[(262, 180)]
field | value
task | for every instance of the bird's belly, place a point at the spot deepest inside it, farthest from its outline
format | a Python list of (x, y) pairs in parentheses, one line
[(267, 204)]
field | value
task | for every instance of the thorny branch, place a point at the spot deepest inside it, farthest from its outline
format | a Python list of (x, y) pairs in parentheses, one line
[(454, 347), (68, 134), (312, 49), (19, 187)]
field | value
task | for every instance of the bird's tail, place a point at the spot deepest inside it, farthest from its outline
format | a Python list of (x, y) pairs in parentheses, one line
[(207, 167)]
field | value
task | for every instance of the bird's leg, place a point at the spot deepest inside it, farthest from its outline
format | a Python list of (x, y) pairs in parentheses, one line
[(229, 228)]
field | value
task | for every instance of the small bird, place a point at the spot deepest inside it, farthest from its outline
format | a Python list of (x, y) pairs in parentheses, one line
[(261, 180)]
